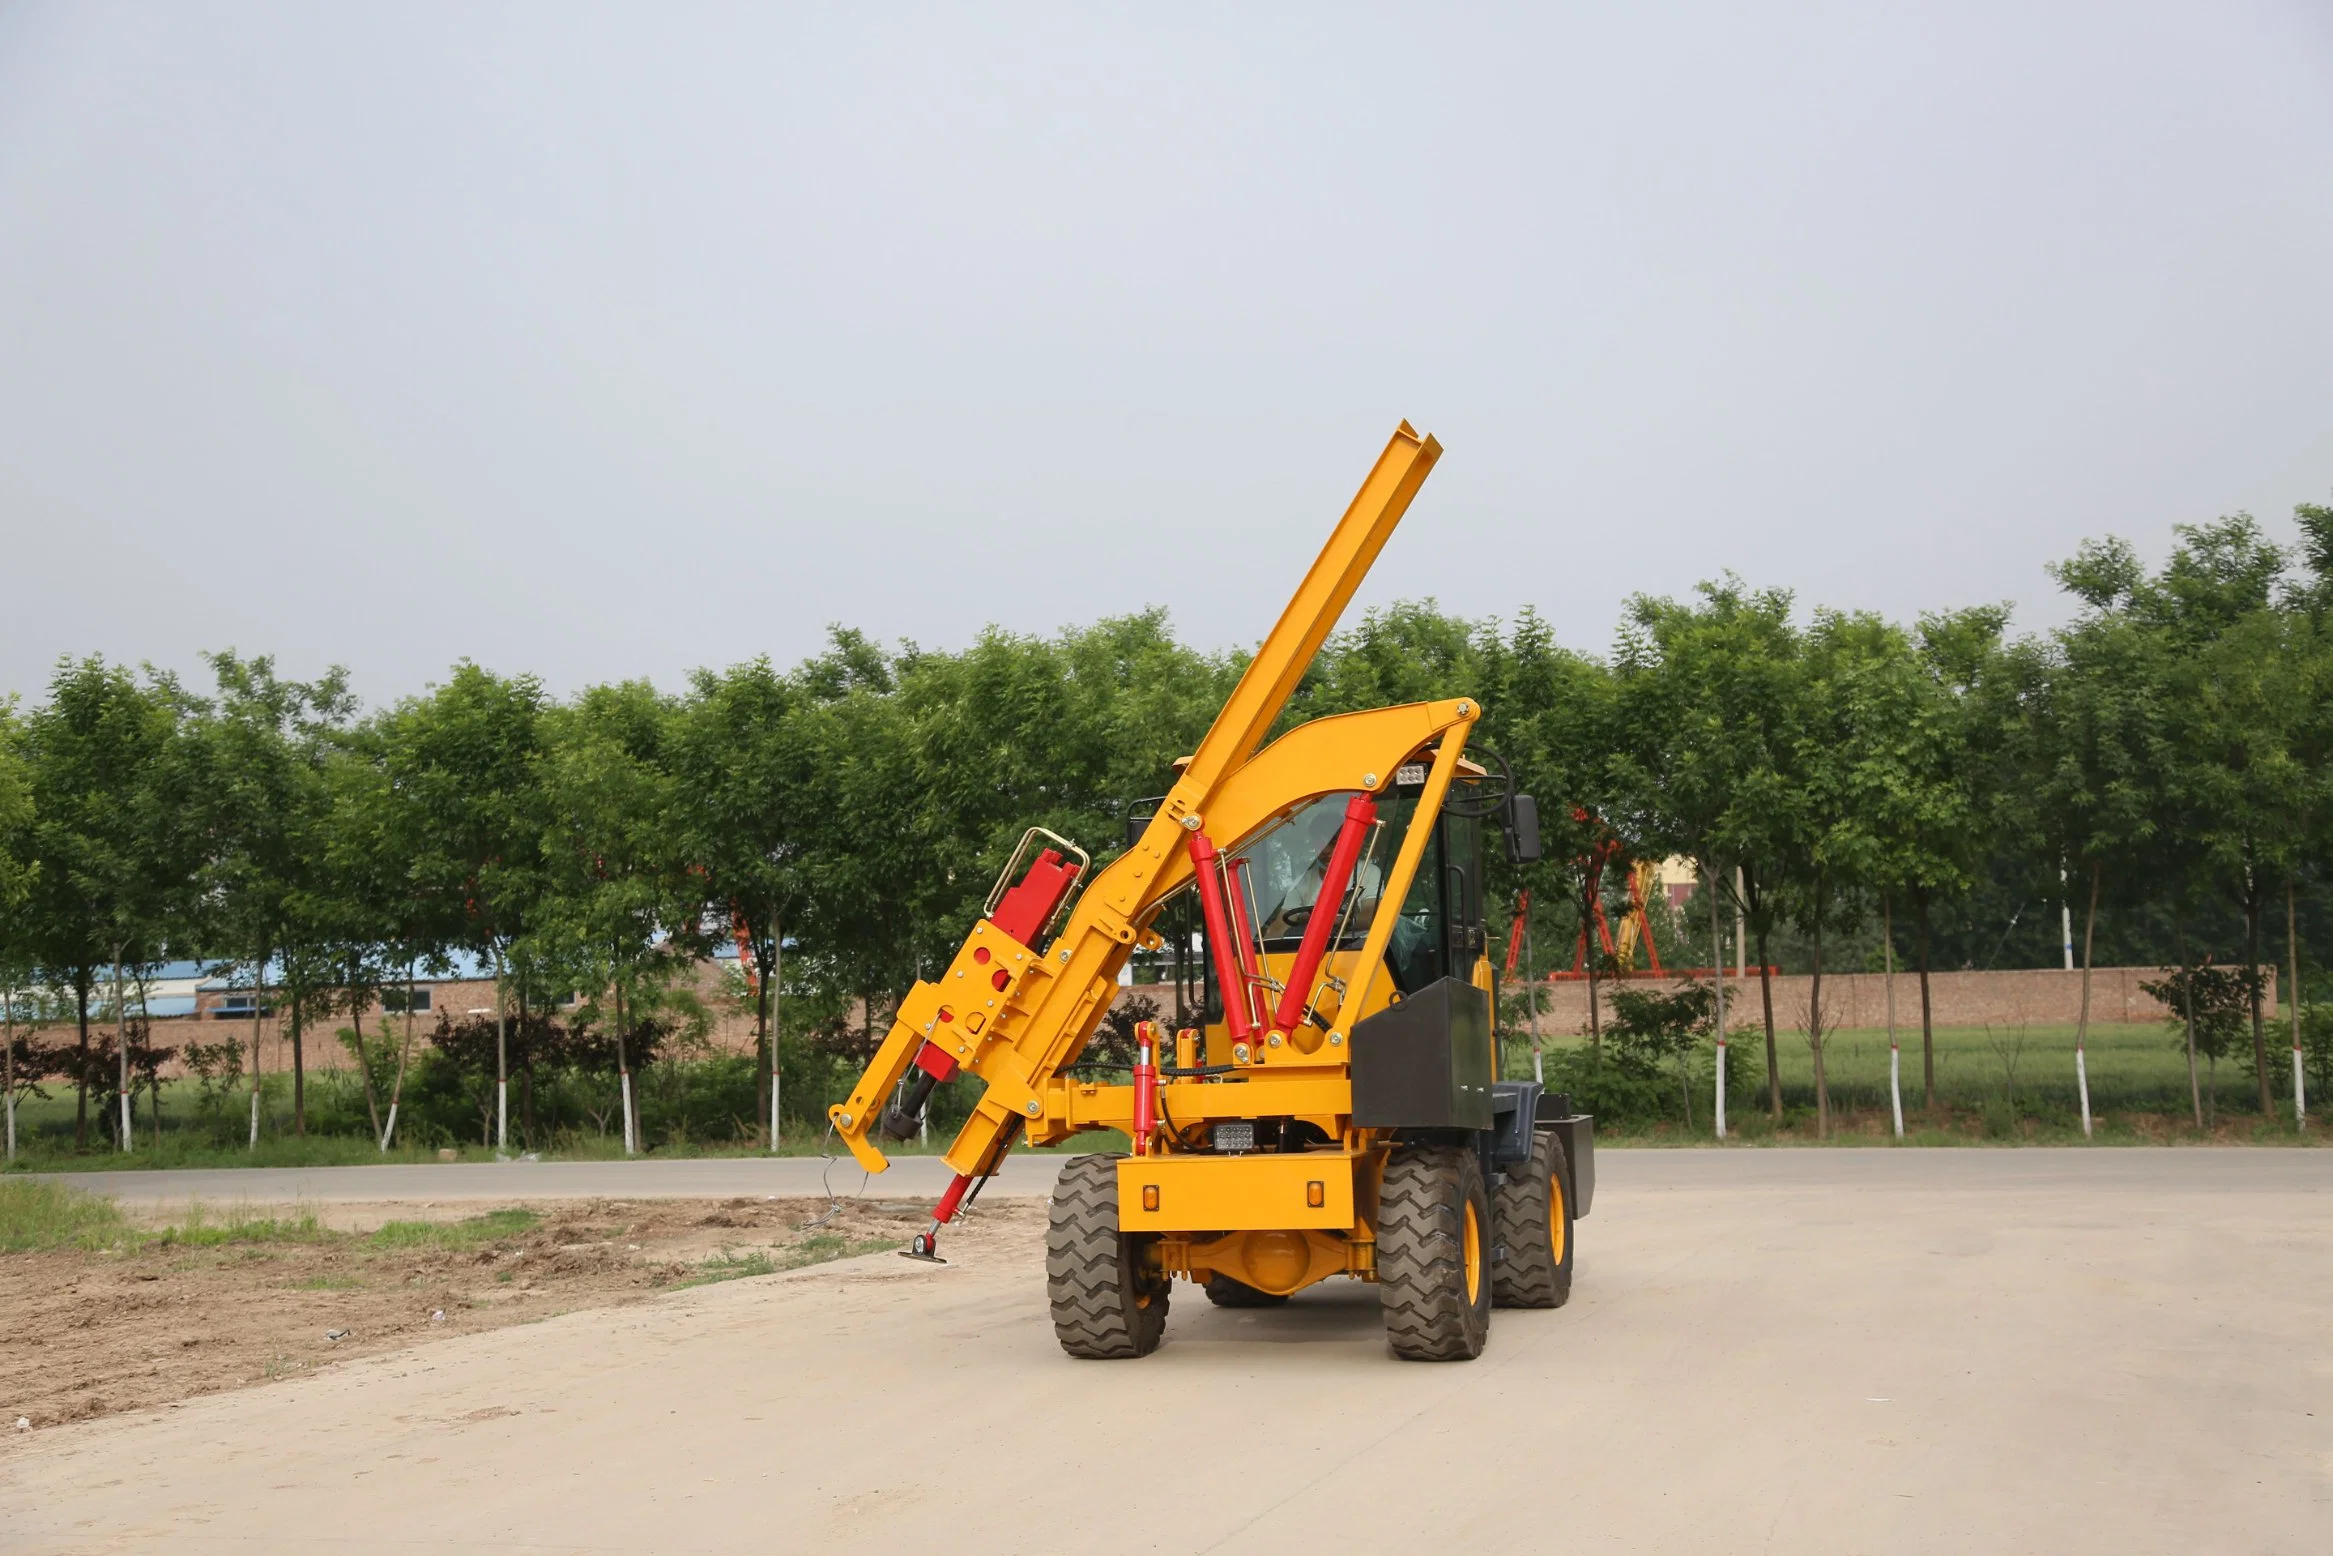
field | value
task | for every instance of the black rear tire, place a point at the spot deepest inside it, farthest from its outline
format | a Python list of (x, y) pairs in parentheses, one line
[(1223, 1291), (1108, 1303), (1434, 1248), (1534, 1218)]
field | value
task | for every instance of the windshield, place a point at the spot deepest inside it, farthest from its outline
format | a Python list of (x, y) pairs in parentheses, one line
[(1283, 869)]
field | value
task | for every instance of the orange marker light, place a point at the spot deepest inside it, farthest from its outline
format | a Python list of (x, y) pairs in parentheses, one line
[(1150, 1196), (1316, 1194)]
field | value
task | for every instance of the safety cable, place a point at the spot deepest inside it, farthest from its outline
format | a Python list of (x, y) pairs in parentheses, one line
[(825, 1175)]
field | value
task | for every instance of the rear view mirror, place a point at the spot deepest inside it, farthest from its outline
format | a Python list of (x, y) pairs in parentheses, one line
[(1523, 829)]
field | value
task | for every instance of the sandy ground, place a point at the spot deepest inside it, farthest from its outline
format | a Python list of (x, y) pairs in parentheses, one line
[(92, 1334), (1935, 1351)]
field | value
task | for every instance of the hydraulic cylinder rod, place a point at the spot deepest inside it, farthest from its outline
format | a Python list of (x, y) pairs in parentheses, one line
[(1238, 1019), (1296, 998)]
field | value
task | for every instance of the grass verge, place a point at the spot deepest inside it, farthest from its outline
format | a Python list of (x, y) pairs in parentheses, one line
[(35, 1216), (470, 1232), (818, 1248)]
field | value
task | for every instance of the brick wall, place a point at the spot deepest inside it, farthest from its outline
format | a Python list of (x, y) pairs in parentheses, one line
[(2031, 997), (2046, 996)]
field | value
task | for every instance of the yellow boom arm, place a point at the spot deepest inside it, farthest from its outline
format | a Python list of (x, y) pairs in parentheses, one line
[(1016, 1015)]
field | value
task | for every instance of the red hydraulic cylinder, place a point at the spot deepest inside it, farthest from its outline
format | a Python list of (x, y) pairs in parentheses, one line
[(1238, 1017), (1297, 996), (1145, 1085), (1243, 930), (946, 1211)]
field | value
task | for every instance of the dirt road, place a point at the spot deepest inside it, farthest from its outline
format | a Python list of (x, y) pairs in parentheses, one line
[(1807, 1352)]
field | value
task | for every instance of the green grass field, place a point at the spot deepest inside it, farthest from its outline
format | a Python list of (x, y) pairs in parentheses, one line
[(1999, 1085)]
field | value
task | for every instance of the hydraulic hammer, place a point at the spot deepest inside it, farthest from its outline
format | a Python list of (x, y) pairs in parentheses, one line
[(1014, 1007)]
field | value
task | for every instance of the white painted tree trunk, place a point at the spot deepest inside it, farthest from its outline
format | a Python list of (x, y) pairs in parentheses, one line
[(2082, 1025), (778, 1011), (1895, 1058), (1717, 982), (629, 1134), (2292, 1002), (501, 1061), (389, 1129), (121, 1043)]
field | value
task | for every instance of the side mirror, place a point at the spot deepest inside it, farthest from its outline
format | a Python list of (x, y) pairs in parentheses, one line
[(1523, 829)]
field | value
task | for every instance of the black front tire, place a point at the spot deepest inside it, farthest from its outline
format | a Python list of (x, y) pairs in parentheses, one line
[(1108, 1302), (1434, 1254), (1534, 1218)]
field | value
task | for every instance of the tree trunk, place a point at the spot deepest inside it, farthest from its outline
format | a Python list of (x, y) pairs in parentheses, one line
[(258, 980), (2187, 999), (121, 1043), (1814, 1035), (299, 1064), (2082, 1023), (8, 1057), (1773, 1054), (1927, 1011), (624, 1074), (501, 1061), (364, 1059), (1717, 986), (778, 1025), (81, 980), (2292, 1003), (765, 1043), (2252, 957), (1895, 1078), (528, 1132), (404, 1055)]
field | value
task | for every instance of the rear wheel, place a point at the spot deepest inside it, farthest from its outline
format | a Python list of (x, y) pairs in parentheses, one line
[(1109, 1303), (1434, 1254), (1223, 1291), (1534, 1221)]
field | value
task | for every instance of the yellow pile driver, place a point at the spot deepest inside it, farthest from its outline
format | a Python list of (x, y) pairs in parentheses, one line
[(1338, 1110)]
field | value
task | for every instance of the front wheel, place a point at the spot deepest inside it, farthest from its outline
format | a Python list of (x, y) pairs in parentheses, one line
[(1534, 1220), (1109, 1303), (1434, 1254)]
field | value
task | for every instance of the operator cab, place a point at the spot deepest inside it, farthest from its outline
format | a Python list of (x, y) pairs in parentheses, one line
[(1441, 931)]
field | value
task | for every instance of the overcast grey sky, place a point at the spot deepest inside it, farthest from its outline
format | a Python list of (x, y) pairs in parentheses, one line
[(605, 341)]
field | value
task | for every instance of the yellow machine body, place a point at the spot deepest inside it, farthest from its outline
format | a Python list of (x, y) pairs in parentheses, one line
[(1017, 1016)]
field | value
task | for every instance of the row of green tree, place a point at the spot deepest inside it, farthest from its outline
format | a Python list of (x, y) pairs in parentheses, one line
[(2159, 762)]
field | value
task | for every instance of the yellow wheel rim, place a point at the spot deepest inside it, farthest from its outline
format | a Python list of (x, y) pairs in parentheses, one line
[(1556, 1229), (1473, 1255)]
